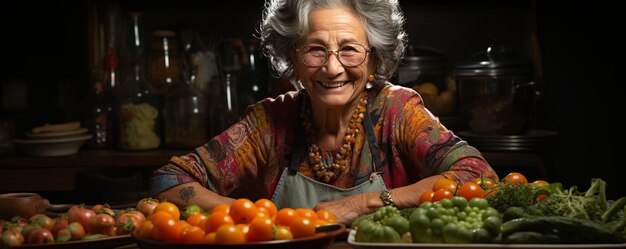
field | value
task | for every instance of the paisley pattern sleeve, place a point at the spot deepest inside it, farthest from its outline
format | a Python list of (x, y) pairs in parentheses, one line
[(432, 148), (223, 163)]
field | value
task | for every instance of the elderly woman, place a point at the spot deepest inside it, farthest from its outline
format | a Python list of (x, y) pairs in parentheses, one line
[(347, 140)]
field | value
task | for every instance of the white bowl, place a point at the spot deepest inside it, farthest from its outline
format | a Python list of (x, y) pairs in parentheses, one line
[(52, 146)]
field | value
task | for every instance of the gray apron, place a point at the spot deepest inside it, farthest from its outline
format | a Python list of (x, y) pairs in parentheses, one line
[(296, 190)]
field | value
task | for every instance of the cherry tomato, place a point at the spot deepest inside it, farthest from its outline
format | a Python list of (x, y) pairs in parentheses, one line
[(539, 183), (147, 206), (102, 224), (243, 210), (426, 196), (516, 178), (285, 217), (267, 205), (283, 233), (43, 220), (160, 215), (60, 222), (326, 215), (221, 207), (446, 184), (260, 229), (197, 219), (103, 208), (192, 235), (470, 190), (302, 227), (169, 207), (442, 194), (80, 214), (216, 220), (229, 234), (40, 236), (209, 238), (127, 223), (306, 212), (485, 183), (145, 230), (168, 230)]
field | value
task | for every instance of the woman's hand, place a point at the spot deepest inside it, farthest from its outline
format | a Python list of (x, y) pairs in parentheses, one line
[(346, 210)]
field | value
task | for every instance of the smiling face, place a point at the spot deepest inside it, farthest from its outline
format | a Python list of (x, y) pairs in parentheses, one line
[(334, 85)]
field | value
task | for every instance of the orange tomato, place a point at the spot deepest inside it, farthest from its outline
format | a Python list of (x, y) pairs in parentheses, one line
[(285, 216), (326, 215), (145, 229), (168, 207), (426, 196), (160, 215), (229, 234), (283, 233), (209, 238), (485, 183), (266, 205), (260, 229), (216, 220), (192, 235), (442, 194), (243, 210), (221, 207), (168, 230), (470, 190), (306, 212), (197, 219), (516, 178), (446, 184), (539, 183), (302, 227)]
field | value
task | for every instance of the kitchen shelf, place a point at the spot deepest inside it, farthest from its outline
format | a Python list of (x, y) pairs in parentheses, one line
[(20, 173)]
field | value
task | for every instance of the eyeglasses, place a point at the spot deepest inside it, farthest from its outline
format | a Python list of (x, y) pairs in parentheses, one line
[(315, 55)]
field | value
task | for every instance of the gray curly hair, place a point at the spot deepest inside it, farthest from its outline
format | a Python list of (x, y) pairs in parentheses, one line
[(285, 22)]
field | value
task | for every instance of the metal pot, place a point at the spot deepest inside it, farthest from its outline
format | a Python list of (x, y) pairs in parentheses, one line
[(497, 92)]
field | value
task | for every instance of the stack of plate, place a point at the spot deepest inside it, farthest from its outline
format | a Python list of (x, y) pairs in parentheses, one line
[(531, 140), (50, 141)]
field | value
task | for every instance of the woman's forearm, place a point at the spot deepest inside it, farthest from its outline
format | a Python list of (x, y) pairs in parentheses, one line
[(193, 193)]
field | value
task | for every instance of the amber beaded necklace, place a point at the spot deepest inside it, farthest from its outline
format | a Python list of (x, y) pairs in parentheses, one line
[(323, 171)]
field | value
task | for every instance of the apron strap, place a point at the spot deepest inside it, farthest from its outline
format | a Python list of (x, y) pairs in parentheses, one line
[(371, 138)]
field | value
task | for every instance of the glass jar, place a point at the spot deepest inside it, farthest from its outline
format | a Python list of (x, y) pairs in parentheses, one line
[(164, 64), (186, 117), (137, 108), (497, 91), (427, 71)]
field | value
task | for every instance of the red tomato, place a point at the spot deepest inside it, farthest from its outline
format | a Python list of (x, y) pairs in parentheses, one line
[(12, 238), (40, 236), (442, 194), (102, 224), (470, 190), (516, 178), (60, 222), (426, 196), (77, 230), (43, 220), (80, 214), (100, 208), (127, 223), (446, 184)]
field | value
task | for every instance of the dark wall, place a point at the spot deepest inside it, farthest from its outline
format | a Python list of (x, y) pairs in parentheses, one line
[(582, 47)]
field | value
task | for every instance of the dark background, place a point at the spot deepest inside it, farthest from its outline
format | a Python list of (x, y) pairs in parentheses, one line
[(581, 45)]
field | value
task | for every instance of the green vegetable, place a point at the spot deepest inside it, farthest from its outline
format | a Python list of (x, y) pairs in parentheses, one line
[(616, 206), (370, 231), (589, 205), (384, 212), (398, 223), (455, 221), (567, 229)]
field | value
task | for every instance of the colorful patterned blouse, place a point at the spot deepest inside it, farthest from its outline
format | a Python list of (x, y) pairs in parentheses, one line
[(413, 144)]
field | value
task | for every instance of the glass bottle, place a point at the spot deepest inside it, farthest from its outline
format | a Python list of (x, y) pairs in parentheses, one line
[(98, 116), (164, 67), (186, 117), (138, 112)]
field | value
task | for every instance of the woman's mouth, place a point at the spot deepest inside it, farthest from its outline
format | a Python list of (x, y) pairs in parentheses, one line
[(333, 84)]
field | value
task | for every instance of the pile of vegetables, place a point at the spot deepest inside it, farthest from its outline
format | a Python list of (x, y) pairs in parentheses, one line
[(511, 211)]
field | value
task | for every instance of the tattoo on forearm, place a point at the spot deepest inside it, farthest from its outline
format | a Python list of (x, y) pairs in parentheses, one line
[(187, 193)]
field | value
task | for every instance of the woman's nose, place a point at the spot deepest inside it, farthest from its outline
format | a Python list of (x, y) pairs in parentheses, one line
[(333, 66)]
